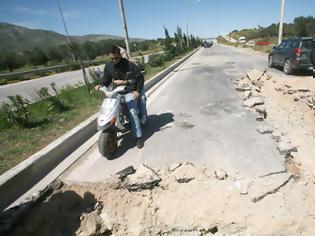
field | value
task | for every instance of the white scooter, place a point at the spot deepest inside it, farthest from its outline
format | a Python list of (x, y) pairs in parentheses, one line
[(112, 118)]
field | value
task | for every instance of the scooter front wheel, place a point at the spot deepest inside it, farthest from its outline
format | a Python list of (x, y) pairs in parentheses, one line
[(107, 143)]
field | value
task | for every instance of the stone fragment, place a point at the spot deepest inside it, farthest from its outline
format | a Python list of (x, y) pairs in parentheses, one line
[(243, 88), (285, 148), (247, 94), (264, 129), (260, 118), (220, 174), (174, 166), (304, 90), (279, 89), (254, 101), (263, 186), (276, 135), (241, 185), (125, 172), (144, 178), (185, 173), (291, 91), (262, 110)]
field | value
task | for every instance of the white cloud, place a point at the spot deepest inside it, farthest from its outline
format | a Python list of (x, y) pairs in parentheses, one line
[(31, 11), (28, 24), (78, 13)]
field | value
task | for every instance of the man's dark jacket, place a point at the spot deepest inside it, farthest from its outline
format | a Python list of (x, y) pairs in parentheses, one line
[(135, 79)]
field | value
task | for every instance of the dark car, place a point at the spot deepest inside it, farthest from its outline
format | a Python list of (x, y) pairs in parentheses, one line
[(207, 44), (293, 54)]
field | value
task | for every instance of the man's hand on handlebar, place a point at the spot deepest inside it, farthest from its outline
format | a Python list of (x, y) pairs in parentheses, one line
[(135, 94), (120, 82), (97, 87)]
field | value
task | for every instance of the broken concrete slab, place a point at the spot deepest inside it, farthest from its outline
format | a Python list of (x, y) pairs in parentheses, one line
[(262, 110), (185, 173), (254, 101), (125, 172), (291, 91), (261, 187), (264, 129), (260, 118), (285, 147), (243, 88), (220, 174), (144, 178)]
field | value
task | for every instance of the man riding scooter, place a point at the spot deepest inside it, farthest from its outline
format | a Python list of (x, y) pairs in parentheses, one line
[(116, 72)]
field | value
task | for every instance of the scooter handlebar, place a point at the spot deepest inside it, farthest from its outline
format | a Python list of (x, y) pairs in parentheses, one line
[(113, 92)]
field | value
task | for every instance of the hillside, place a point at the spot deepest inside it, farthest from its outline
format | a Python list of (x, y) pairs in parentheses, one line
[(17, 38)]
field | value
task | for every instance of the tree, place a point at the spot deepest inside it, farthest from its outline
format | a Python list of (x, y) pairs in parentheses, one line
[(168, 41), (300, 26), (53, 54), (38, 57), (13, 61)]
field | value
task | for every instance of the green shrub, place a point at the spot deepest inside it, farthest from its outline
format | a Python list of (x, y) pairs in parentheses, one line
[(156, 60), (15, 112), (140, 63)]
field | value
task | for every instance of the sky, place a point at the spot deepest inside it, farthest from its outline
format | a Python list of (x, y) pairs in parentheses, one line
[(146, 18)]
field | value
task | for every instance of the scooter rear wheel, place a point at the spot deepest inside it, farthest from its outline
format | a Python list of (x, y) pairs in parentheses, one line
[(107, 143)]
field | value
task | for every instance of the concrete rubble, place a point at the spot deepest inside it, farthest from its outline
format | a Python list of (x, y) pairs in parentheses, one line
[(193, 201), (253, 101), (261, 187), (220, 174), (286, 147), (264, 129), (144, 178)]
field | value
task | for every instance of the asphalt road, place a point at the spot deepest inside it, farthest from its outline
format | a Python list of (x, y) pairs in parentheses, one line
[(194, 116)]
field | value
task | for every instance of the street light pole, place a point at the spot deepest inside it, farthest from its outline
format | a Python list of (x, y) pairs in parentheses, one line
[(64, 24), (123, 19), (281, 22)]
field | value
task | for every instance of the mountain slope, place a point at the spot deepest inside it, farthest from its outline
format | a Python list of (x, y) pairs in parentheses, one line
[(18, 38)]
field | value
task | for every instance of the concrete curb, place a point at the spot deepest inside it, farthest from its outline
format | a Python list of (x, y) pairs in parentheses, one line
[(18, 180)]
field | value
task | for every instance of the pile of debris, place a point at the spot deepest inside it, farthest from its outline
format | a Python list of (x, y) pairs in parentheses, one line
[(179, 199), (251, 86)]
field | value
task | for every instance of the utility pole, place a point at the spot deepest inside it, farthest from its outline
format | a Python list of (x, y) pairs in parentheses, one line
[(281, 22), (73, 57), (123, 19), (67, 35)]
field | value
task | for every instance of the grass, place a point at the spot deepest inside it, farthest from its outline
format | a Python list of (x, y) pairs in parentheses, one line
[(17, 144)]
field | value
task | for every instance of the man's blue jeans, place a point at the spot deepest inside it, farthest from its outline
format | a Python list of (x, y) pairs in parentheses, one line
[(143, 114), (132, 106)]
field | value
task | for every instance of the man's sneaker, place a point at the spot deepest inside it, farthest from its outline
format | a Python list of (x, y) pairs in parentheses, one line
[(140, 143)]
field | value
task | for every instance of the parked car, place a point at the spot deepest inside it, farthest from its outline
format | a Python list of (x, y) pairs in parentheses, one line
[(292, 54)]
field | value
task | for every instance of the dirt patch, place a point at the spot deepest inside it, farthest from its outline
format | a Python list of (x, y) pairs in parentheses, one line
[(204, 205)]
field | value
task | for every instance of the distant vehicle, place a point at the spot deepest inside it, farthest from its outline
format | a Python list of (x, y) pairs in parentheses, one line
[(242, 39), (250, 43), (292, 54), (207, 44), (263, 43)]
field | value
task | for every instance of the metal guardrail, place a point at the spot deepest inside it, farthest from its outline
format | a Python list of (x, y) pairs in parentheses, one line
[(12, 75)]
